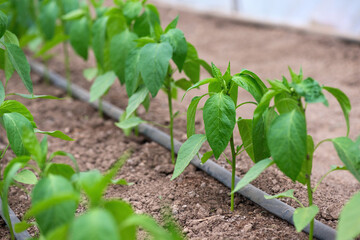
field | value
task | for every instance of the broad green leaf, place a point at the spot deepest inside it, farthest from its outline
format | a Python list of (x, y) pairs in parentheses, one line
[(303, 216), (32, 96), (278, 86), (56, 40), (135, 100), (132, 71), (3, 23), (65, 154), (219, 119), (143, 41), (132, 9), (59, 233), (92, 183), (253, 173), (129, 123), (192, 66), (10, 37), (58, 214), (183, 83), (178, 42), (154, 62), (206, 156), (245, 130), (344, 104), (234, 92), (187, 152), (256, 78), (34, 148), (74, 15), (215, 87), (47, 18), (172, 24), (120, 211), (145, 24), (198, 84), (263, 105), (148, 224), (60, 169), (90, 73), (26, 176), (14, 124), (99, 39), (101, 85), (10, 106), (97, 223), (349, 154), (287, 142), (120, 47), (20, 63), (349, 222), (2, 94), (311, 90), (216, 72), (190, 116), (249, 84), (284, 103), (287, 194), (56, 134), (116, 23), (80, 37), (259, 138), (306, 168)]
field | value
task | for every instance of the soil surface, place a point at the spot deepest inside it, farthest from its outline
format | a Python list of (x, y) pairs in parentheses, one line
[(200, 204)]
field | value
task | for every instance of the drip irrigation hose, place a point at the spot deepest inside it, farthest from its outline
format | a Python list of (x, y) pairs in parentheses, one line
[(275, 206), (19, 236)]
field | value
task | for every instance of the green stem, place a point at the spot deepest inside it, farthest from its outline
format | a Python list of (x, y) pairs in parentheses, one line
[(310, 197), (171, 123), (233, 169), (67, 68)]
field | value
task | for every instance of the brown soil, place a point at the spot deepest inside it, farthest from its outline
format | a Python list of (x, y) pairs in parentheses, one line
[(199, 203)]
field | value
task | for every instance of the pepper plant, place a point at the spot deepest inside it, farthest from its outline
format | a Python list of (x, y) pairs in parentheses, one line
[(219, 115), (280, 132)]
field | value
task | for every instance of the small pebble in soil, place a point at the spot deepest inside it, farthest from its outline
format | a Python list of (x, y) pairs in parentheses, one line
[(247, 227), (203, 184)]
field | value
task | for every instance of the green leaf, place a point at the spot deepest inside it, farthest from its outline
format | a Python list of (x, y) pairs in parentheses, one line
[(58, 214), (145, 24), (90, 73), (57, 39), (190, 116), (172, 24), (183, 83), (116, 23), (287, 142), (47, 18), (303, 216), (307, 164), (120, 47), (26, 176), (178, 42), (249, 84), (287, 194), (349, 154), (187, 152), (80, 37), (192, 66), (31, 96), (278, 86), (60, 169), (259, 136), (206, 156), (20, 63), (295, 77), (22, 226), (257, 79), (349, 219), (253, 173), (135, 100), (311, 90), (245, 130), (97, 223), (198, 84), (10, 106), (65, 154), (56, 134), (101, 85), (216, 72), (3, 23), (344, 104), (154, 62), (120, 211), (74, 15), (2, 94), (129, 123), (132, 9), (14, 124), (219, 119), (34, 148), (132, 71), (99, 39)]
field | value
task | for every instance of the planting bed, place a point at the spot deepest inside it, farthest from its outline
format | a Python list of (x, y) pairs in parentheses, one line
[(200, 204)]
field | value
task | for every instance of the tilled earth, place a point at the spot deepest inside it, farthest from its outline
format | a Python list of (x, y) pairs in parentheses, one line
[(199, 203)]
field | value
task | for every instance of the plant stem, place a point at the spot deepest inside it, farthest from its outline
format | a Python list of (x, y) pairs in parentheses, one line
[(67, 68), (310, 197), (171, 123), (233, 168)]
